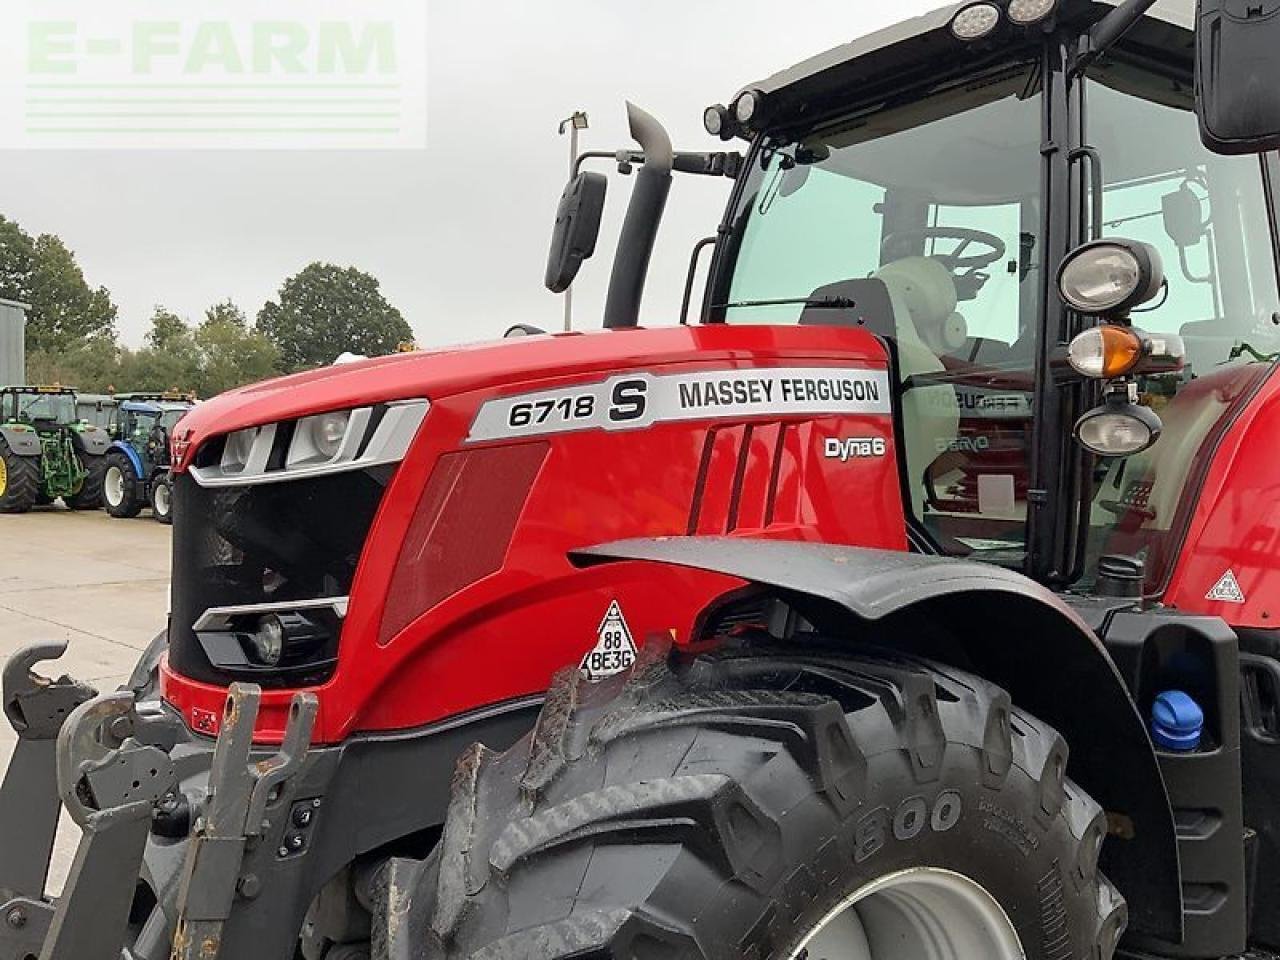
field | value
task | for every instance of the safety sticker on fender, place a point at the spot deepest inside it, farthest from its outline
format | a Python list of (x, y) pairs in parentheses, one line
[(1227, 589), (634, 401), (615, 649)]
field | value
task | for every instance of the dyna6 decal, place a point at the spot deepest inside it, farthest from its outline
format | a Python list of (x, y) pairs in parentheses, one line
[(634, 401)]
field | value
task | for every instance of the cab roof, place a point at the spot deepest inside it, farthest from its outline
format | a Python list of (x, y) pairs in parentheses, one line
[(915, 50), (154, 406)]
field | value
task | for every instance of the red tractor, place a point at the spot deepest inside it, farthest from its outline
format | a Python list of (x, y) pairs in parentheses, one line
[(921, 600)]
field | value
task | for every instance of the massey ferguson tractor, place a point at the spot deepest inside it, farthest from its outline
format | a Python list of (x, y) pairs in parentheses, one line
[(918, 601)]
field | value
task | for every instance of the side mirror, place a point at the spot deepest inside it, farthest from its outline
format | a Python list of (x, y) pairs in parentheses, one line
[(577, 228), (1237, 79), (1183, 217)]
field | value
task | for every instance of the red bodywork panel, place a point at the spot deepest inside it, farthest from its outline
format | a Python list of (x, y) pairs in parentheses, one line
[(465, 596), (1235, 525)]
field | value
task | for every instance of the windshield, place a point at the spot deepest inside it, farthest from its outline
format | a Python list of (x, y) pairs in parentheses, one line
[(1207, 215), (45, 407), (928, 219)]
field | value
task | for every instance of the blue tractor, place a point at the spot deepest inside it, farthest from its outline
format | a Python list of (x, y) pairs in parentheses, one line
[(137, 465)]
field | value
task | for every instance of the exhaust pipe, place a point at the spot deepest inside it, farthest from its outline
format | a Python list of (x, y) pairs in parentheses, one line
[(644, 214)]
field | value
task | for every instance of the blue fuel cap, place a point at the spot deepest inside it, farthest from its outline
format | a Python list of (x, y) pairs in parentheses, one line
[(1177, 722)]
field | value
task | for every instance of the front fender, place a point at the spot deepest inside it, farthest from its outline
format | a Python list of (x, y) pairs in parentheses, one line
[(132, 454), (1002, 626)]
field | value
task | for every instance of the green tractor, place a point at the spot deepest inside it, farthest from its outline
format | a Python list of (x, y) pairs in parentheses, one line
[(137, 465), (47, 452)]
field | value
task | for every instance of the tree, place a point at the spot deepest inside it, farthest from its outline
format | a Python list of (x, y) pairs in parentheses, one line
[(327, 310), (230, 353), (65, 311), (227, 312)]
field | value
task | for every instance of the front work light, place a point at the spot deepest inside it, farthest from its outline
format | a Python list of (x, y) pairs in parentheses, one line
[(975, 21), (1110, 351), (716, 119), (1118, 428), (1110, 277), (745, 107), (1026, 12)]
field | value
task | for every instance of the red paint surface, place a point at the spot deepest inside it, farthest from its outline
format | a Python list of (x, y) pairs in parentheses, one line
[(504, 634), (1236, 520)]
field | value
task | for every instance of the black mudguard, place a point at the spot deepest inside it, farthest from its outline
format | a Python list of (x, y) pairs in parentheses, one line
[(1002, 626)]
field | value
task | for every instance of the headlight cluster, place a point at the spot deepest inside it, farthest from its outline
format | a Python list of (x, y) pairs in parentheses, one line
[(1108, 279), (332, 442)]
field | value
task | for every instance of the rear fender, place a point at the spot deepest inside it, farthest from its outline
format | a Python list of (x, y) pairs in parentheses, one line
[(132, 454), (23, 443), (1002, 626), (91, 440)]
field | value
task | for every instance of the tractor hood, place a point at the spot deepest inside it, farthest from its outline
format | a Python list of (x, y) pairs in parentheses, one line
[(434, 375)]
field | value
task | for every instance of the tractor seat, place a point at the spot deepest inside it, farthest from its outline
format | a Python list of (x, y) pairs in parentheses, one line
[(872, 309), (893, 305)]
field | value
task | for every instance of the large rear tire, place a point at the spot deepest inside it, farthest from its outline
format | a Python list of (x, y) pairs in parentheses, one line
[(19, 481), (769, 807), (89, 496), (120, 493)]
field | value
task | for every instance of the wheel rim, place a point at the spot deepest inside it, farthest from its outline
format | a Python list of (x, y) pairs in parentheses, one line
[(923, 913), (4, 476), (162, 501), (113, 486)]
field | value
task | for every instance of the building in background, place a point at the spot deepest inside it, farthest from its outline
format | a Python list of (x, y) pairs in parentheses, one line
[(13, 351)]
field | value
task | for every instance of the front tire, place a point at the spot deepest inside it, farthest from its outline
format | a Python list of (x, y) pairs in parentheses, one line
[(89, 496), (19, 481), (120, 483), (773, 807), (162, 499)]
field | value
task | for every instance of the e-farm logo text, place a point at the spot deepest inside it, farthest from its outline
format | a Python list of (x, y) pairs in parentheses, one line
[(223, 74)]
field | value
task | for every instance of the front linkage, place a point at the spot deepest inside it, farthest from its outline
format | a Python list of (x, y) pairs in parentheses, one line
[(114, 763)]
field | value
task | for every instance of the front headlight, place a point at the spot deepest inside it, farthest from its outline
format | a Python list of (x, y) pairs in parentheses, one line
[(238, 448), (1118, 429), (328, 431), (1110, 277)]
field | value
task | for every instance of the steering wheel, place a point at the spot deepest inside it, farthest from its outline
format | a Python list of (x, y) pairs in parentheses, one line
[(898, 245)]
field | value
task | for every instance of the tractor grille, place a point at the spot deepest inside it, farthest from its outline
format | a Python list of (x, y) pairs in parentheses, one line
[(264, 544)]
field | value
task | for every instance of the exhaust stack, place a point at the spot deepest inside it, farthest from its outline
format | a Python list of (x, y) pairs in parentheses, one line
[(644, 215)]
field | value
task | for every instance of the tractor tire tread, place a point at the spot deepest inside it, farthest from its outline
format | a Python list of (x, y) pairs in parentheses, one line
[(22, 488), (615, 766)]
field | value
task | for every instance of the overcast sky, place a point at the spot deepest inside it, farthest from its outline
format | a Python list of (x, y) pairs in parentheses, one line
[(457, 233)]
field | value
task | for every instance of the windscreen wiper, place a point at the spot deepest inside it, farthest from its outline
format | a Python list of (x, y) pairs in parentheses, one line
[(812, 303)]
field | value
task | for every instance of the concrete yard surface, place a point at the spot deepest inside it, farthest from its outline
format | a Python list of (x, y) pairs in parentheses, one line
[(100, 584)]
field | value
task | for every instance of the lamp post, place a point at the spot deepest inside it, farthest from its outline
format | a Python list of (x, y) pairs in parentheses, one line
[(574, 123)]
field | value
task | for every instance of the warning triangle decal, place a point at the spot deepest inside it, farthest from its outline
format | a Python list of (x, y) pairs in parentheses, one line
[(615, 648), (1226, 590)]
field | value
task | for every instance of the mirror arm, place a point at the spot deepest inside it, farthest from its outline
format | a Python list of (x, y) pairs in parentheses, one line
[(1108, 31), (702, 164)]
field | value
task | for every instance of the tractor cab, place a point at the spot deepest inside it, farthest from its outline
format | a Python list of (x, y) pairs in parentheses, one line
[(938, 220), (45, 408)]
